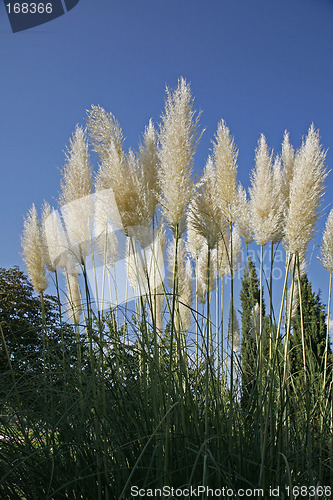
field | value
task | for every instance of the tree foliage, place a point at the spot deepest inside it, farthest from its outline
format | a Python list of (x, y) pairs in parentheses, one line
[(315, 331), (250, 298), (23, 327)]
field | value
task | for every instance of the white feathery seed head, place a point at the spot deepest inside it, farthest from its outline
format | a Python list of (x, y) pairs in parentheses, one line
[(306, 190), (278, 195), (149, 166), (178, 141), (205, 214), (288, 161), (105, 236), (326, 248), (33, 251), (225, 156), (78, 220), (206, 273), (105, 133), (263, 196), (55, 240), (145, 266), (118, 171), (194, 241), (77, 174), (243, 215), (76, 199)]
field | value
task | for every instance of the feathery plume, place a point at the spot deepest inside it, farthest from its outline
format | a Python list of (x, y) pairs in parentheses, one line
[(33, 251), (288, 161), (149, 166), (263, 196), (129, 176), (105, 236), (145, 267), (206, 274), (105, 135), (194, 241), (205, 213), (77, 174), (178, 139), (243, 215), (278, 195), (76, 200), (306, 190), (326, 248), (54, 238), (225, 156)]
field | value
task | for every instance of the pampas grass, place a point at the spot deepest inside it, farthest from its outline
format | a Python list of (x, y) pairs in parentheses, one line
[(33, 251), (150, 397), (306, 190), (243, 215), (205, 216), (225, 156), (178, 139), (264, 198)]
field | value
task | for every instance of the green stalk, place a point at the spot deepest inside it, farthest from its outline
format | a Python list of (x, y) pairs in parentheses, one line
[(217, 330), (302, 321), (208, 353), (328, 329), (92, 364), (286, 355), (286, 351), (223, 373), (271, 303), (196, 319), (260, 363), (60, 319), (232, 348), (174, 293)]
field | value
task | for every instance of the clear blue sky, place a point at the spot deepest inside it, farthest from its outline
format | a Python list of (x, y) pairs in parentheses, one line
[(262, 65)]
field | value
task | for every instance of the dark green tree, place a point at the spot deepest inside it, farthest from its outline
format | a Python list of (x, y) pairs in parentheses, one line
[(249, 297), (315, 330), (250, 314), (33, 346)]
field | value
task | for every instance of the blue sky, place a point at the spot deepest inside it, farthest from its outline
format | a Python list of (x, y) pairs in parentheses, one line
[(263, 66)]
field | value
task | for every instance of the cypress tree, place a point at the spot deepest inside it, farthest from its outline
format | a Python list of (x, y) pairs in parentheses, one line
[(314, 321), (249, 296)]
